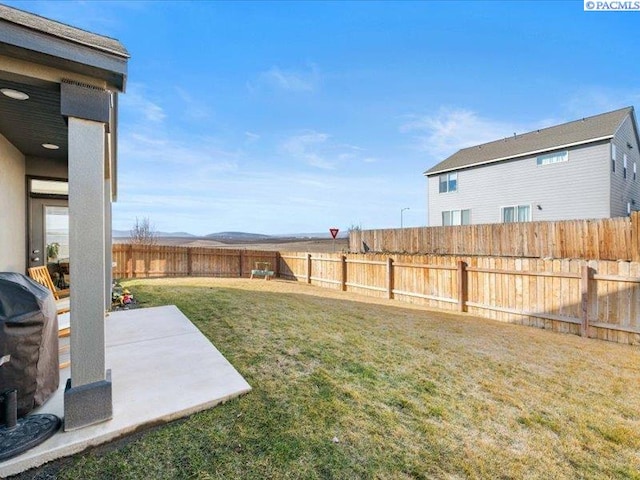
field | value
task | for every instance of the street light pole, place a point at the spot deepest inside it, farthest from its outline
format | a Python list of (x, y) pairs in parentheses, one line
[(401, 213)]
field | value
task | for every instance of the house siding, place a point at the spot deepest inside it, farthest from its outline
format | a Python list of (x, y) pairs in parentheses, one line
[(624, 190), (12, 201), (577, 188)]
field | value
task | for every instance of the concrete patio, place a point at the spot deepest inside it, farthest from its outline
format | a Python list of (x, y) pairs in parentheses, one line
[(162, 367)]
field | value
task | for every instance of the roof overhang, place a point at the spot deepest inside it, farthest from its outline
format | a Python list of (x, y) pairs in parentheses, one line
[(37, 55), (430, 173), (37, 47)]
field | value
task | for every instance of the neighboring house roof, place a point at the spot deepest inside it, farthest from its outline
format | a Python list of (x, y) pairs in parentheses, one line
[(60, 30), (585, 130)]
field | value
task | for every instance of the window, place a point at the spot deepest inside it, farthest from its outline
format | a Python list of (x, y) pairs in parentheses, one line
[(624, 166), (49, 187), (448, 182), (613, 158), (517, 213), (556, 157), (56, 224), (456, 217)]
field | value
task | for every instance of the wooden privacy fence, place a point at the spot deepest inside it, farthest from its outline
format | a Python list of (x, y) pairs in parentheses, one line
[(135, 261), (598, 299), (595, 298), (604, 239)]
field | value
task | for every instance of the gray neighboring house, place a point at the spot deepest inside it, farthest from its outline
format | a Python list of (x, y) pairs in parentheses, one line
[(587, 168)]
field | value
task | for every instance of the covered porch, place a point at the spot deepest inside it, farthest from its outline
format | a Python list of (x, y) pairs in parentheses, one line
[(163, 369), (59, 89)]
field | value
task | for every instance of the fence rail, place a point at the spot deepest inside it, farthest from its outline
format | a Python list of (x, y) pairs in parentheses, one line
[(603, 239), (597, 298), (136, 261)]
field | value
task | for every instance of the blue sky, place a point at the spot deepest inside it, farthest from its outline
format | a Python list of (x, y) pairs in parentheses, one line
[(299, 116)]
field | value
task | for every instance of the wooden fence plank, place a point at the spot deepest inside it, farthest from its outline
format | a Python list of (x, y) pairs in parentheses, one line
[(584, 296), (462, 285), (549, 293), (599, 239)]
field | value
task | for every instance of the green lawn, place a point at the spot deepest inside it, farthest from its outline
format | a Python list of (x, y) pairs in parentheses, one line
[(348, 387)]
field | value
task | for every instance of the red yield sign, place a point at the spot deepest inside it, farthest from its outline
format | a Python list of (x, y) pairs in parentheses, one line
[(334, 232)]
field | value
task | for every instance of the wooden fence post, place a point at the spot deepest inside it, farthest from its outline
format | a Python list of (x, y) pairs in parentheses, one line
[(241, 257), (635, 236), (308, 268), (389, 277), (585, 277), (343, 280), (128, 261), (462, 286), (189, 262), (277, 267)]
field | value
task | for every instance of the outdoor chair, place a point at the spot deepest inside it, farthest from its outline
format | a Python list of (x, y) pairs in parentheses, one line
[(262, 269), (42, 276)]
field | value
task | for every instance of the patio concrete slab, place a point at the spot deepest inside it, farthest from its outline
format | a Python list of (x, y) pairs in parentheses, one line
[(162, 369)]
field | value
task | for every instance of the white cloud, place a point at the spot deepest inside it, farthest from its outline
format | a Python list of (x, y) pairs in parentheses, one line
[(318, 150), (265, 200), (187, 152), (292, 80), (309, 147), (593, 100), (443, 133), (251, 137), (138, 104), (145, 138), (300, 144), (192, 108), (192, 181), (447, 131)]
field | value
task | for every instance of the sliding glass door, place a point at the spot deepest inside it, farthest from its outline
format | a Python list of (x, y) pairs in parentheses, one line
[(49, 228)]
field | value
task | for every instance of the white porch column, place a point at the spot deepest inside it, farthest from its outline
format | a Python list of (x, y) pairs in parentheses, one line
[(87, 398), (108, 253), (87, 250)]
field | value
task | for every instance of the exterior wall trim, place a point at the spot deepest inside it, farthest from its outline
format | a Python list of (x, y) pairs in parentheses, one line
[(37, 47), (85, 102), (520, 155)]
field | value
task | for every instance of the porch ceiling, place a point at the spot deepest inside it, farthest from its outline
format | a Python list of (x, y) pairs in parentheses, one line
[(27, 124)]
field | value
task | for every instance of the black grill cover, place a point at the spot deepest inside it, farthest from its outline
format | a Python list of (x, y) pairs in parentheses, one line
[(29, 334)]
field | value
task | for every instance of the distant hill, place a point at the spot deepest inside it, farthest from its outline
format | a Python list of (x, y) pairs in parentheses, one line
[(341, 234), (127, 233), (243, 237), (255, 237), (175, 234), (237, 236)]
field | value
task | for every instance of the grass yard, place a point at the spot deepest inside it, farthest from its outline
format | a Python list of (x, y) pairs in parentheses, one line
[(349, 387)]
